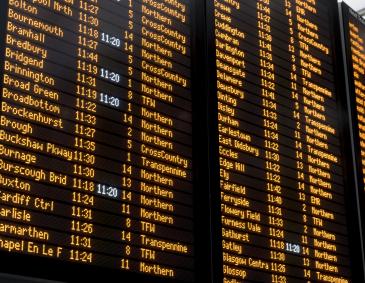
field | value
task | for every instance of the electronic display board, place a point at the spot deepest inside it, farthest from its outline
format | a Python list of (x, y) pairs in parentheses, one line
[(175, 141), (353, 45), (282, 187), (96, 134), (354, 35)]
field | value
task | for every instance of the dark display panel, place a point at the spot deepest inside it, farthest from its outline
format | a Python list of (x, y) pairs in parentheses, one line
[(354, 32), (141, 141), (353, 37), (282, 186), (96, 134)]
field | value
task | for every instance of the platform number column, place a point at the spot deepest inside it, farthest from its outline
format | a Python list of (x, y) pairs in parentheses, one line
[(127, 120)]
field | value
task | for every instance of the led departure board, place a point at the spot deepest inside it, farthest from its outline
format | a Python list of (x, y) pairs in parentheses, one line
[(281, 167), (353, 37), (354, 32), (179, 141), (96, 134)]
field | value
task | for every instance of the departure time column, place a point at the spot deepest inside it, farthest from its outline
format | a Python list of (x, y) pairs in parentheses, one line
[(87, 73), (271, 145)]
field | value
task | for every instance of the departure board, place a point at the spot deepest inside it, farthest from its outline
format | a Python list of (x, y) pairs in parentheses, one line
[(96, 134), (354, 32), (280, 163), (181, 141)]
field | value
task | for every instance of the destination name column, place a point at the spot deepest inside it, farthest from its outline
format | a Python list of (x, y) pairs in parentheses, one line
[(22, 114)]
